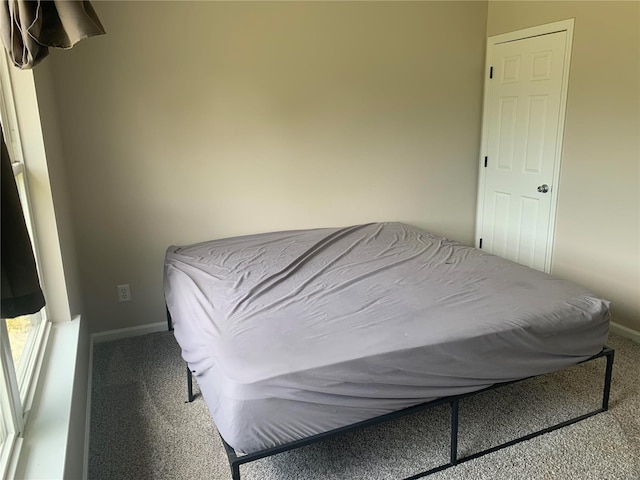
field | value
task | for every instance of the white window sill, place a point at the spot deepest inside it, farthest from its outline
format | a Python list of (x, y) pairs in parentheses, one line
[(44, 443)]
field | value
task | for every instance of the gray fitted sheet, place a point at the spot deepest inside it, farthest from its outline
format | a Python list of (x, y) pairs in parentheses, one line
[(294, 333)]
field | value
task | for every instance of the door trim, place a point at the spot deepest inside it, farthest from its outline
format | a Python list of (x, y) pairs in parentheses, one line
[(561, 26)]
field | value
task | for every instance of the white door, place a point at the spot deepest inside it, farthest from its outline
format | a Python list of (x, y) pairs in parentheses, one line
[(525, 99)]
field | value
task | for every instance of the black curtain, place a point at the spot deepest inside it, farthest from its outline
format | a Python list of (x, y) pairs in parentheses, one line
[(21, 293)]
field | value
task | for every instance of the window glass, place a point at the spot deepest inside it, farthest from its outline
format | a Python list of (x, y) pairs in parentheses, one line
[(18, 329)]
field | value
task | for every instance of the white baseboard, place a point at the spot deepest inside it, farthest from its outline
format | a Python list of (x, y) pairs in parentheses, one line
[(625, 331), (128, 332)]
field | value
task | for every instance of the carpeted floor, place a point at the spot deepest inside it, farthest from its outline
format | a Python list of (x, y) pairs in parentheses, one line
[(142, 428)]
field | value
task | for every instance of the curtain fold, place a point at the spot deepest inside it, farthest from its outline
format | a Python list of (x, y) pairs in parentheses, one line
[(20, 289), (30, 27)]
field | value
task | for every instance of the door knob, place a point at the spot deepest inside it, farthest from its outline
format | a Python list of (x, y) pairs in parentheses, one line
[(543, 188)]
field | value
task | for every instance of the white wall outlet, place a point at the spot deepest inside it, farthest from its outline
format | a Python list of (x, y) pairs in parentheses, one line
[(124, 293)]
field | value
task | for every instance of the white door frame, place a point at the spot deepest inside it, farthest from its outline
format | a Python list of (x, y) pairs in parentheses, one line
[(561, 26)]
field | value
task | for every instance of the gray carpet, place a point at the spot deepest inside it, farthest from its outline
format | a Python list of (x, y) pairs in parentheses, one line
[(141, 427)]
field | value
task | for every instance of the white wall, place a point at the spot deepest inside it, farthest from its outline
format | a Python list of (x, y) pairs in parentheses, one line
[(598, 225), (195, 120)]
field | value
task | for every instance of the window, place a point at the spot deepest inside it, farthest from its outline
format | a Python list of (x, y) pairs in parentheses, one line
[(23, 333), (22, 338), (12, 421)]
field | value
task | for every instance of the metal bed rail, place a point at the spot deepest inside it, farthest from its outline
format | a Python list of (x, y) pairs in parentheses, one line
[(236, 460)]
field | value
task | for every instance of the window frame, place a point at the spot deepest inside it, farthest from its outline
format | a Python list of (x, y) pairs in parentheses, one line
[(18, 382), (12, 412)]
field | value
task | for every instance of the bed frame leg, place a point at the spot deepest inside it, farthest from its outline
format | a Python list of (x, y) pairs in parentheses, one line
[(454, 431), (235, 471), (169, 322), (607, 380), (190, 396)]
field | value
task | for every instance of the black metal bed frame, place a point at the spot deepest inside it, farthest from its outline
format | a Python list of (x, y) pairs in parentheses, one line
[(235, 460)]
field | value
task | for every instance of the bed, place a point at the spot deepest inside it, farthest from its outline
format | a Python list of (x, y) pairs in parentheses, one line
[(295, 334)]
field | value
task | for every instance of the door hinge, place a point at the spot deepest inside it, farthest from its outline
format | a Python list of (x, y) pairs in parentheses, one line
[(485, 162), (490, 72), (480, 244)]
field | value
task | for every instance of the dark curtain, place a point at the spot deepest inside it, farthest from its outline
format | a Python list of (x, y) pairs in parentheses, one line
[(21, 293), (29, 28)]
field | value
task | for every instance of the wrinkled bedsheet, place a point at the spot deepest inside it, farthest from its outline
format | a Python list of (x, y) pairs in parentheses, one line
[(294, 333)]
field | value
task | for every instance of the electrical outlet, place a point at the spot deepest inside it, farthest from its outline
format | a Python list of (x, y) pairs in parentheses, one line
[(124, 293)]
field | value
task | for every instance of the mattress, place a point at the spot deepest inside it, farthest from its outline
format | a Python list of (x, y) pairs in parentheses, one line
[(295, 333)]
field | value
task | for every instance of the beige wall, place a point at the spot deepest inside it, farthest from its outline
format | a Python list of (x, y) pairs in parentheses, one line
[(191, 121), (598, 225)]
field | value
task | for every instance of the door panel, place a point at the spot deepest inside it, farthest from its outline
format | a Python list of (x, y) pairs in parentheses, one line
[(523, 129)]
